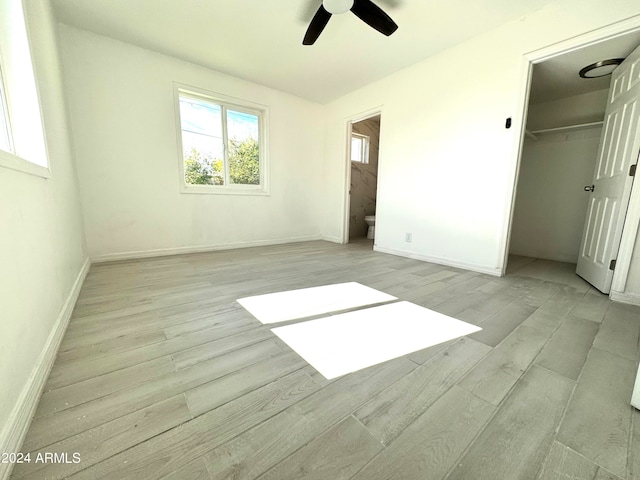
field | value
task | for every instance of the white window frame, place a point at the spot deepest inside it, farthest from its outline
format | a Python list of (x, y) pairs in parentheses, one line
[(10, 158), (235, 104), (21, 107), (364, 152)]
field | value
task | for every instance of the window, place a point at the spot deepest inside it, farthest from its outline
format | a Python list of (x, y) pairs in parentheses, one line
[(223, 145), (22, 141), (359, 148), (5, 131)]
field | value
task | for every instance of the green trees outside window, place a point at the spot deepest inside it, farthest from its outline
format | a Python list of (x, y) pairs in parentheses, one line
[(244, 165)]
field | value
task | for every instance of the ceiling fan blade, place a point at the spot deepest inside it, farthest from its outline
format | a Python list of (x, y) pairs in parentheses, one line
[(374, 16), (319, 21)]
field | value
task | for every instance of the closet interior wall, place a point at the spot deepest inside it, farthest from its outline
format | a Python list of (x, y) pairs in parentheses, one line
[(558, 160)]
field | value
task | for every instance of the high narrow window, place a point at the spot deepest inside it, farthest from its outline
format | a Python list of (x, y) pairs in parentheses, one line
[(22, 140), (359, 148), (223, 145)]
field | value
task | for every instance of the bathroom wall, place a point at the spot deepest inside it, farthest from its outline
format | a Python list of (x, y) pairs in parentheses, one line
[(364, 179)]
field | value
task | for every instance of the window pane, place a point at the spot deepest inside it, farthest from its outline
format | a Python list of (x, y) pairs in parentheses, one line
[(244, 151), (202, 144), (356, 149)]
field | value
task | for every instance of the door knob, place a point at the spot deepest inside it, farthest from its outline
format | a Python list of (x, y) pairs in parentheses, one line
[(589, 188)]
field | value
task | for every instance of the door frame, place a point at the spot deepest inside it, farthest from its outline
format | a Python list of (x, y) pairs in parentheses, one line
[(349, 121), (632, 220)]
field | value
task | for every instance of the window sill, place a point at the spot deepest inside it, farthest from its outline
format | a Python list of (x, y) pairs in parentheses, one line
[(13, 162), (217, 190)]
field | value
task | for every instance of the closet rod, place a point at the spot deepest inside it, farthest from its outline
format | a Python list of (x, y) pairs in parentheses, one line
[(568, 127)]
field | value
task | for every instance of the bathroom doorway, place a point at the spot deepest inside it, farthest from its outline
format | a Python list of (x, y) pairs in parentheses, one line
[(362, 150)]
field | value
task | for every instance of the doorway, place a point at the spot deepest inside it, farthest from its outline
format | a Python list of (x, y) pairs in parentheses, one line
[(362, 152), (558, 153), (563, 130)]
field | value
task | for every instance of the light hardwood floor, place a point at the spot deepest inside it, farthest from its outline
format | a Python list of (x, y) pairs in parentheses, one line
[(161, 374)]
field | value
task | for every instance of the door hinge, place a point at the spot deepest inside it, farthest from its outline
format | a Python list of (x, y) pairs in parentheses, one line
[(632, 170), (612, 265)]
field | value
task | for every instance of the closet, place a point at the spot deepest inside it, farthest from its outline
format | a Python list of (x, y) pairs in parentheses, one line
[(564, 125), (556, 164)]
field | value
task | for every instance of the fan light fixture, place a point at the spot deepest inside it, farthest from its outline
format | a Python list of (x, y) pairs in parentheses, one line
[(601, 68), (365, 10), (336, 7)]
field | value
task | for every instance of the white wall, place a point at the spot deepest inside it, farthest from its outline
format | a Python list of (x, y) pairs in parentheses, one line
[(584, 108), (551, 204), (41, 240), (447, 163), (122, 114)]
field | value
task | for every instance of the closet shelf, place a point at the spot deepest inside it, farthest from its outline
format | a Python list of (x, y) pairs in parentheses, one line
[(566, 128)]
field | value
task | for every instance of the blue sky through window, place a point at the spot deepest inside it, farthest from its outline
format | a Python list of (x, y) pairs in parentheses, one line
[(201, 124), (241, 126)]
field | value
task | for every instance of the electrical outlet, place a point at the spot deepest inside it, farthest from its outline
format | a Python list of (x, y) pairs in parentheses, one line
[(407, 237)]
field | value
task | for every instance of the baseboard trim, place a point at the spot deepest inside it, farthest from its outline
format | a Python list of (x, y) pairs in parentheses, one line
[(553, 258), (630, 298), (19, 421), (163, 252), (496, 272), (332, 239)]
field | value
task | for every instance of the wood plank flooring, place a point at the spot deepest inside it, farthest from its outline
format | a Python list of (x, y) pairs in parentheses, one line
[(162, 374)]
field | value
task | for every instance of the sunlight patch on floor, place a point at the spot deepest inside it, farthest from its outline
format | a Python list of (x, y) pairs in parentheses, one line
[(351, 341), (307, 302)]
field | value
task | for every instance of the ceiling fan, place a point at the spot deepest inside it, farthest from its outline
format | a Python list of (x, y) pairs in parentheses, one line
[(365, 10)]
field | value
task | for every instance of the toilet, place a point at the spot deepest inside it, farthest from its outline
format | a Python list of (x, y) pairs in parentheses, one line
[(371, 221)]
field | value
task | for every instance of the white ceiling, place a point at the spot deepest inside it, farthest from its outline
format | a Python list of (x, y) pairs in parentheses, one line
[(261, 40), (558, 77)]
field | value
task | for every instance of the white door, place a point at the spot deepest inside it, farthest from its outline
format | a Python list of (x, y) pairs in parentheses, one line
[(611, 185)]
